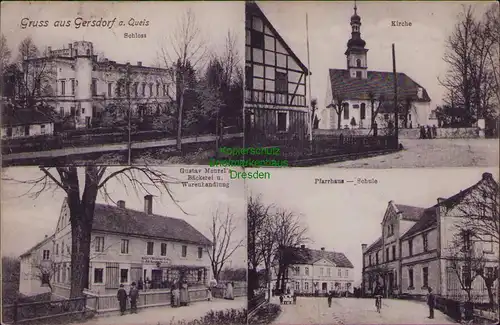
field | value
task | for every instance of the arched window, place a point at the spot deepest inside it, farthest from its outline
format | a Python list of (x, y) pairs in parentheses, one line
[(358, 63), (362, 111)]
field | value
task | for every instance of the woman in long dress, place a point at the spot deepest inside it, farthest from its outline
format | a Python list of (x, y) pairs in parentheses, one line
[(229, 291), (184, 294), (175, 296)]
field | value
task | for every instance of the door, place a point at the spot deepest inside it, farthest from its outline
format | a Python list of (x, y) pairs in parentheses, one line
[(391, 283), (156, 278), (324, 287)]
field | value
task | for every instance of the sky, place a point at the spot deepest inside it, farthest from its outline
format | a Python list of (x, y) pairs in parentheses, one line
[(25, 220), (163, 17), (341, 217), (419, 48)]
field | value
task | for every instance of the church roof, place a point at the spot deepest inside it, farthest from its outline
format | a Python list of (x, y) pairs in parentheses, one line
[(378, 83)]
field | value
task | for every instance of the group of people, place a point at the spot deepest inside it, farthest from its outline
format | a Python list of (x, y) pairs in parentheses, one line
[(179, 294), (122, 296), (428, 132)]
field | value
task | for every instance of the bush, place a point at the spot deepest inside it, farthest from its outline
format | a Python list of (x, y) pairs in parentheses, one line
[(221, 317), (265, 314)]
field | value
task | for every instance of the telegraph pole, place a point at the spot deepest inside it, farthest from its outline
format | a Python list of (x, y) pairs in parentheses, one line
[(396, 107)]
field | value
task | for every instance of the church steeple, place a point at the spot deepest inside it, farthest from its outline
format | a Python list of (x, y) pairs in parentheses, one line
[(356, 52)]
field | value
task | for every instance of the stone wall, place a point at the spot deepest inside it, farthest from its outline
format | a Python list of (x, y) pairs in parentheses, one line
[(442, 133)]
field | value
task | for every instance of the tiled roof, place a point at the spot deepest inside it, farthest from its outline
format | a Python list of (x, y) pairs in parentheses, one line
[(378, 83), (253, 8), (409, 212), (38, 245), (131, 222), (427, 220), (375, 245), (25, 117), (298, 255)]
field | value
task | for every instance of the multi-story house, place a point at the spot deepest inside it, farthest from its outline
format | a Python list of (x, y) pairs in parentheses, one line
[(77, 85), (276, 93), (129, 245), (318, 271), (356, 87), (36, 268), (423, 247)]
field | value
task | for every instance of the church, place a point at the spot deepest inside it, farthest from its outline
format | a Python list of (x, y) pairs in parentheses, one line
[(357, 98)]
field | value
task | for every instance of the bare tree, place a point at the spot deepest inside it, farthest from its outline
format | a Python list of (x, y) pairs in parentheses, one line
[(44, 271), (81, 203), (223, 241), (5, 54), (338, 104), (374, 109)]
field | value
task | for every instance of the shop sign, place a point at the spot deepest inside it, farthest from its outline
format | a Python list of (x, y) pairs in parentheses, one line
[(156, 260)]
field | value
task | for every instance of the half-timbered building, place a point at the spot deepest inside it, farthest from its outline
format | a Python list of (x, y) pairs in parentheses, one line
[(276, 93)]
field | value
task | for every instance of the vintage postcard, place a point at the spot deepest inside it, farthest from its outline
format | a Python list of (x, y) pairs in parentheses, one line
[(345, 246), (127, 246), (372, 84), (120, 83)]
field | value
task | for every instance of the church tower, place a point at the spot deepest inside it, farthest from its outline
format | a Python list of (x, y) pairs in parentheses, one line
[(356, 52)]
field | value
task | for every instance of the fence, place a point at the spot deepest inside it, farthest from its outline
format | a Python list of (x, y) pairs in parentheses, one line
[(239, 290), (26, 312), (414, 133)]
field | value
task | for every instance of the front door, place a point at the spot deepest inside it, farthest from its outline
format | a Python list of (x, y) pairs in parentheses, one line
[(324, 287), (156, 278)]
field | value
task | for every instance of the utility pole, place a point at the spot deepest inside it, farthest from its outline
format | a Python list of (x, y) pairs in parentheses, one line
[(396, 107), (310, 124), (127, 84)]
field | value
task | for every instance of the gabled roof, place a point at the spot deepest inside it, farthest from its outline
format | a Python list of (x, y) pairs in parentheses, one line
[(25, 117), (410, 213), (253, 9), (374, 246), (37, 246), (378, 83), (113, 219), (299, 255)]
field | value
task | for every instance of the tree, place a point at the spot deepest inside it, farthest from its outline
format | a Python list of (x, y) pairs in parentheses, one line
[(339, 106), (81, 200), (5, 54), (45, 272), (377, 274), (380, 100), (223, 243), (480, 214)]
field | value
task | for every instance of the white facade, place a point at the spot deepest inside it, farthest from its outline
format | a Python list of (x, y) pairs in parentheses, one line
[(35, 265), (25, 131)]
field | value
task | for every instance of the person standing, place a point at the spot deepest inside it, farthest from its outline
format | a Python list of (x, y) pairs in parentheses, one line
[(434, 131), (184, 293), (329, 299), (122, 299), (175, 296), (209, 293), (429, 132), (431, 302), (133, 294)]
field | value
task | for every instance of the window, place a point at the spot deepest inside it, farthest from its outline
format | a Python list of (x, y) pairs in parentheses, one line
[(98, 275), (467, 240), (393, 253), (386, 117), (358, 63), (184, 250), (370, 259), (362, 112), (72, 86), (144, 89), (110, 89), (358, 74), (200, 252), (26, 130), (94, 87), (410, 247), (136, 89), (387, 254), (346, 273), (45, 278), (164, 90), (99, 244), (346, 111), (63, 87), (425, 277), (248, 77), (410, 278), (306, 270), (321, 271), (281, 82), (57, 249), (257, 39), (339, 273), (150, 90), (123, 275), (119, 86), (199, 277), (281, 121), (125, 243), (157, 89), (163, 249), (426, 243), (297, 286), (150, 248), (42, 129), (306, 286), (329, 271), (46, 254)]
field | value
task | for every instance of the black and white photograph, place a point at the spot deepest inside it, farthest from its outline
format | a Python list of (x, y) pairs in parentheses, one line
[(120, 83), (122, 245), (365, 84), (374, 246)]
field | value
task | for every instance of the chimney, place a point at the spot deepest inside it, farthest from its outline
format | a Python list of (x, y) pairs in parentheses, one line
[(487, 176), (363, 247), (440, 200), (121, 204), (302, 246), (148, 204), (139, 63), (322, 248)]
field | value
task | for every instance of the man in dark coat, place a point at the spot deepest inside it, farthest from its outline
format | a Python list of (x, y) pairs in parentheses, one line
[(133, 294), (330, 299), (122, 299), (431, 302)]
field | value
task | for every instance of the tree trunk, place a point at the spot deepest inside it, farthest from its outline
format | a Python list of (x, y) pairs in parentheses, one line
[(339, 120), (179, 120)]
